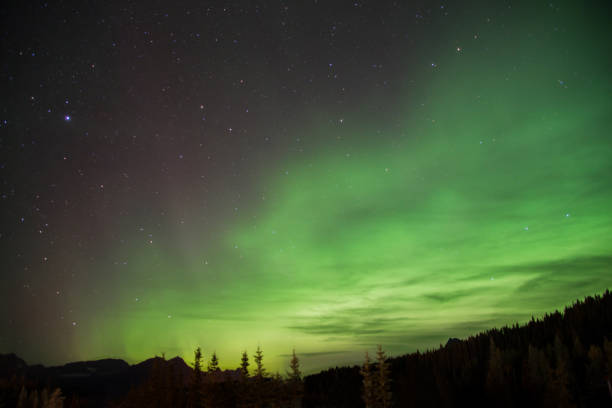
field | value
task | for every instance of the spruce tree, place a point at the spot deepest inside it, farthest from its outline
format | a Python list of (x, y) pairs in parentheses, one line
[(260, 371), (368, 383), (196, 399), (261, 388), (295, 374), (296, 387), (22, 402), (33, 398), (383, 383), (213, 365), (244, 365), (246, 397), (197, 364)]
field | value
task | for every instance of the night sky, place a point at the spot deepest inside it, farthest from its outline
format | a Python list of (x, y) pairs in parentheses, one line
[(324, 175)]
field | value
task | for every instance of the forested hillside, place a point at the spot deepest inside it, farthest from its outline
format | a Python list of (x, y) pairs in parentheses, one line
[(561, 360)]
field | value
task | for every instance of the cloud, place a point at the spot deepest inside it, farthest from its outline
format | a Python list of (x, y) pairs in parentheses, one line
[(561, 276), (316, 354), (452, 295), (581, 264), (351, 322)]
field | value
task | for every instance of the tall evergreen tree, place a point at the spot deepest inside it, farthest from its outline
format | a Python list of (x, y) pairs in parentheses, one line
[(260, 388), (260, 371), (197, 364), (383, 380), (33, 399), (296, 386), (22, 402), (368, 383), (213, 364), (195, 399), (244, 365), (294, 374), (245, 393)]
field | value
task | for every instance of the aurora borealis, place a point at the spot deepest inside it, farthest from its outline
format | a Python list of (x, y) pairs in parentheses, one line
[(324, 176)]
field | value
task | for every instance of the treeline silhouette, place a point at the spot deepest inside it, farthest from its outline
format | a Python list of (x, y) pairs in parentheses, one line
[(216, 388), (562, 360)]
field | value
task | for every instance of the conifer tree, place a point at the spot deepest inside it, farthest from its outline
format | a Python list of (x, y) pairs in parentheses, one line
[(197, 364), (245, 394), (368, 383), (260, 371), (244, 365), (260, 388), (22, 402), (296, 387), (383, 381), (33, 398), (195, 395), (295, 374), (213, 365)]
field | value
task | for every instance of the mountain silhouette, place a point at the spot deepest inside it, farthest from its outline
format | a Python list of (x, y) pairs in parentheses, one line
[(99, 380)]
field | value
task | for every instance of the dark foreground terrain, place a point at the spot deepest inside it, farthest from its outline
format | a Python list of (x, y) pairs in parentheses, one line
[(561, 360)]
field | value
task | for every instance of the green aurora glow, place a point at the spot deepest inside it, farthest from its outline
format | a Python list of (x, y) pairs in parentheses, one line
[(486, 200), (498, 210)]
